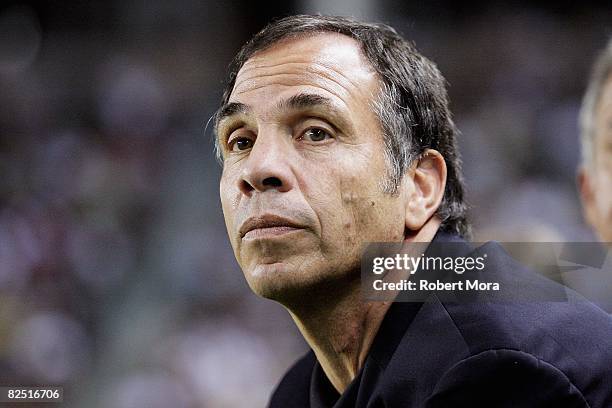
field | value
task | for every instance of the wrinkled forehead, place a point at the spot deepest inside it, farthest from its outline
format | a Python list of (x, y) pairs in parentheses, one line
[(330, 62)]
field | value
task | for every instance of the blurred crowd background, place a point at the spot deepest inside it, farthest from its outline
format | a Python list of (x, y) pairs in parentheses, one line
[(117, 280)]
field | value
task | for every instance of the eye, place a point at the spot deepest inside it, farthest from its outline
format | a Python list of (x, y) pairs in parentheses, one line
[(316, 135), (240, 143)]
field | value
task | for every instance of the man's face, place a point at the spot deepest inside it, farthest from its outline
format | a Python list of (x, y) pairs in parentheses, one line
[(600, 173), (304, 165)]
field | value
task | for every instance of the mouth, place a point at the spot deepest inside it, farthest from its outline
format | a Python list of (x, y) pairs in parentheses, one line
[(268, 226)]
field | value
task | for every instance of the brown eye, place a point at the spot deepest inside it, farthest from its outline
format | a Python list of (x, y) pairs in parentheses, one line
[(316, 135), (242, 143)]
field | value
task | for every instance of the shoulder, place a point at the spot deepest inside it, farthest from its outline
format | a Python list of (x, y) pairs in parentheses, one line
[(565, 345), (531, 313), (547, 334), (538, 336), (507, 378), (293, 389)]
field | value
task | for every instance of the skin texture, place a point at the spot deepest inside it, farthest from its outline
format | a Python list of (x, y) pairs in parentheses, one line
[(595, 180), (320, 167)]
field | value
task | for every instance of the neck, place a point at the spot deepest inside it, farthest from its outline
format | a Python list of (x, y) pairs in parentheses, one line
[(341, 334), (340, 327)]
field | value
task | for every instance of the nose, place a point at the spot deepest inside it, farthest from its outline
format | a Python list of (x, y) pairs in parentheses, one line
[(267, 166)]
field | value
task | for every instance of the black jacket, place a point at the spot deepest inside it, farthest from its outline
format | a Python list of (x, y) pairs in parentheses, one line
[(470, 354)]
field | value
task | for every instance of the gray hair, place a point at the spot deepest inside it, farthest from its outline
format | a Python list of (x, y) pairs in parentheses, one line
[(412, 105), (602, 70)]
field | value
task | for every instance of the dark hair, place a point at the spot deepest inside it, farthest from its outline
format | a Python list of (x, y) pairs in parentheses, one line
[(412, 105)]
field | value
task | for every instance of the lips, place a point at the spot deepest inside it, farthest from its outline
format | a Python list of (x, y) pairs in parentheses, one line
[(268, 224)]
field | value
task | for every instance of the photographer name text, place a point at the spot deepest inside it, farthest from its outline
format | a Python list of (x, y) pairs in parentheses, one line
[(437, 285)]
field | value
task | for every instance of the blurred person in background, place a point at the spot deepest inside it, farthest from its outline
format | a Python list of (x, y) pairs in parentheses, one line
[(595, 173), (594, 180), (334, 133)]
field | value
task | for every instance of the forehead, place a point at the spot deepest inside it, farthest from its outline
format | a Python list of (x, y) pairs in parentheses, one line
[(328, 64)]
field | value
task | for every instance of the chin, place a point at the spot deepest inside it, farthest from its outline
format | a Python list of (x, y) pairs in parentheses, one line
[(275, 281), (285, 283), (293, 285)]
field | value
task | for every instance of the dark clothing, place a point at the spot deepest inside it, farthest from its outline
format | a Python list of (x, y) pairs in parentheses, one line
[(471, 354)]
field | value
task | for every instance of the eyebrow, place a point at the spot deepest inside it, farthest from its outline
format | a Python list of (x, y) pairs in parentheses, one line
[(232, 108), (296, 102), (304, 101)]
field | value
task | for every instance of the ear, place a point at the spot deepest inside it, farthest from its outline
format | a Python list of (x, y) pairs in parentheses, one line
[(424, 187), (587, 197)]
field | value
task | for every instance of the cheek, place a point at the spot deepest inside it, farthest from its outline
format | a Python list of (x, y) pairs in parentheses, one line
[(378, 217), (228, 189), (229, 198), (229, 203), (359, 211)]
